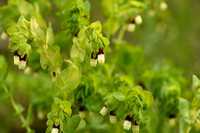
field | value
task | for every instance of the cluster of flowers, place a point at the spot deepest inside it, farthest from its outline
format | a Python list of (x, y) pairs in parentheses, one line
[(127, 122), (20, 62), (100, 58), (132, 25)]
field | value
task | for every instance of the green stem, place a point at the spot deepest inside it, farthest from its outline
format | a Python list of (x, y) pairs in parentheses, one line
[(121, 34), (188, 129), (16, 108)]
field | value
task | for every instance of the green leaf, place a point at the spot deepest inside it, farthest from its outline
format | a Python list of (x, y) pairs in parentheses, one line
[(97, 26), (69, 78), (73, 123), (12, 31), (19, 38), (195, 82), (22, 26), (148, 99), (119, 96), (67, 108)]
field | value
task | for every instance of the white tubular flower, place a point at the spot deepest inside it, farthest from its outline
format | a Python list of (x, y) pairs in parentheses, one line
[(54, 130), (103, 111), (101, 57), (16, 58), (40, 115), (82, 113), (136, 128), (127, 123), (4, 36), (22, 62), (172, 120), (93, 61), (113, 118), (75, 39), (138, 20), (131, 27), (163, 6)]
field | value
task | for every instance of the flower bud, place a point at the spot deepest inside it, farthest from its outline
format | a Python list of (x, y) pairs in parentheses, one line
[(54, 130), (136, 128), (16, 58), (27, 70), (138, 19), (103, 111), (127, 123), (40, 115), (22, 62), (75, 39), (163, 6), (172, 120), (93, 61), (101, 58), (131, 27), (82, 113), (113, 119)]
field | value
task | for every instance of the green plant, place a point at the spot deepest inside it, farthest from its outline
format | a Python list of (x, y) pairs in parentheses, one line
[(65, 73)]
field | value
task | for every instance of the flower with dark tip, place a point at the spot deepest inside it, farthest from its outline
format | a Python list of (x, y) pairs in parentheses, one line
[(127, 123), (54, 130), (93, 61), (16, 58), (172, 120), (103, 111), (113, 119), (136, 127), (81, 112), (101, 57), (22, 62), (131, 26)]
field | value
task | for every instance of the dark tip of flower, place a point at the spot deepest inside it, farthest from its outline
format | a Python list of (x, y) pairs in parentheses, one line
[(128, 118), (54, 74), (112, 113), (81, 108), (100, 51), (133, 21), (172, 116), (141, 84), (135, 123), (16, 54), (24, 58), (93, 56), (56, 126), (75, 35)]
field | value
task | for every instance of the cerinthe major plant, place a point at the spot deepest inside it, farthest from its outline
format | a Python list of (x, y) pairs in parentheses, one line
[(81, 82)]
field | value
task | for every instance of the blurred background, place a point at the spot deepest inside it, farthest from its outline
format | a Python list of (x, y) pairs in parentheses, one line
[(171, 36)]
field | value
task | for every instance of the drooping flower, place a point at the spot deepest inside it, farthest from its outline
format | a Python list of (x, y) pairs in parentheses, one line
[(22, 62), (93, 61), (113, 119), (16, 58), (101, 57), (127, 123), (103, 111), (138, 20)]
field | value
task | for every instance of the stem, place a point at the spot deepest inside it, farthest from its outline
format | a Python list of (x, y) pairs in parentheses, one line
[(188, 129), (16, 108), (121, 34)]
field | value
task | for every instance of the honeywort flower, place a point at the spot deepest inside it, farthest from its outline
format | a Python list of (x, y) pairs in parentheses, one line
[(82, 112), (103, 111), (101, 58), (113, 119), (138, 20), (127, 123), (163, 6), (54, 130), (22, 62), (135, 128), (172, 120), (131, 26), (93, 61), (16, 58)]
